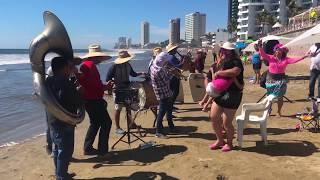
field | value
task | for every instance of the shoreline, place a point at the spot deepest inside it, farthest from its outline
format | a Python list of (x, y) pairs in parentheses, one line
[(289, 155)]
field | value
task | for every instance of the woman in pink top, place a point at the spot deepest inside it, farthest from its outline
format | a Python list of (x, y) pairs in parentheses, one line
[(276, 79)]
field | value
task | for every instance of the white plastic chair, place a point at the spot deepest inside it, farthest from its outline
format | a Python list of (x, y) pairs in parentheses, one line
[(245, 117)]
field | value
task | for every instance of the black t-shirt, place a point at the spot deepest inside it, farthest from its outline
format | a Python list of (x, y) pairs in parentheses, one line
[(231, 64)]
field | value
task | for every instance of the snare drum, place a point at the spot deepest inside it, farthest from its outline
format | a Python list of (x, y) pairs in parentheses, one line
[(146, 95), (126, 96)]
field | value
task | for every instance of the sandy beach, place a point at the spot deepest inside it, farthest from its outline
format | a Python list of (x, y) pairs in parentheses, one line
[(289, 155)]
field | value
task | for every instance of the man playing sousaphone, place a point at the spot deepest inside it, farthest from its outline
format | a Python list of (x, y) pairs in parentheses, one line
[(119, 73)]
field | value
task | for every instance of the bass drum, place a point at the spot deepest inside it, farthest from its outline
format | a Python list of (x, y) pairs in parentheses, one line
[(146, 95)]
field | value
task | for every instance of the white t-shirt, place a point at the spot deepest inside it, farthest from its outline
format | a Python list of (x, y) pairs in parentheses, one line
[(315, 61)]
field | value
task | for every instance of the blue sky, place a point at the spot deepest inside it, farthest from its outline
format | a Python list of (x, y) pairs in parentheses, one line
[(101, 21)]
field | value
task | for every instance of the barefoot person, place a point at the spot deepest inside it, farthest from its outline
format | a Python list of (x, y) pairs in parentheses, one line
[(119, 73), (225, 106), (276, 83), (62, 134), (94, 103)]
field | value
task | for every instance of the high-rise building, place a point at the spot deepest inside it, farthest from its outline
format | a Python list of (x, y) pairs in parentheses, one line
[(174, 34), (195, 27), (232, 11), (248, 26), (145, 33), (122, 42), (129, 42)]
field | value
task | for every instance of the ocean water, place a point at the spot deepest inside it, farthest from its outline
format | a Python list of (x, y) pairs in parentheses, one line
[(22, 115)]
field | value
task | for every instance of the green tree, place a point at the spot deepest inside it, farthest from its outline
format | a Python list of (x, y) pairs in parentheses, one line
[(266, 19), (292, 8)]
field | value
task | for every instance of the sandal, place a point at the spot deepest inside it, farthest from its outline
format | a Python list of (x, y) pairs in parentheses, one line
[(227, 148), (217, 145)]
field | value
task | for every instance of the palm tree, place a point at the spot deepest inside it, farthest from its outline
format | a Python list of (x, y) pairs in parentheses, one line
[(266, 19), (292, 8)]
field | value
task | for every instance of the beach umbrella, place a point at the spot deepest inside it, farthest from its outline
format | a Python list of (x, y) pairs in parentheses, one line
[(309, 37), (240, 45), (281, 39), (277, 25)]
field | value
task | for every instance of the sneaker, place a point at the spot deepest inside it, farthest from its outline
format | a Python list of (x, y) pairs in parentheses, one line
[(90, 152), (120, 131), (226, 148), (161, 136), (105, 155)]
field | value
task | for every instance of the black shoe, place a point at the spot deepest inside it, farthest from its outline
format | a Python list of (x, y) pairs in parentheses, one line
[(90, 152)]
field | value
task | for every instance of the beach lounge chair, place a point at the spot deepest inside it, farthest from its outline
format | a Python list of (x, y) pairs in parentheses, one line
[(245, 117)]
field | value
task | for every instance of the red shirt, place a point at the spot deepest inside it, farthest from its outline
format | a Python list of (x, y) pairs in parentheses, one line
[(90, 81)]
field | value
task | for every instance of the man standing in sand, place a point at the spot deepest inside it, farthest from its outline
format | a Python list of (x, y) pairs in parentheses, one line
[(174, 61), (314, 69), (119, 73), (62, 134), (95, 106)]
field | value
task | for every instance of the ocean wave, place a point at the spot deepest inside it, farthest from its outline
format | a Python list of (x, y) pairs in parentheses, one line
[(11, 59), (13, 143)]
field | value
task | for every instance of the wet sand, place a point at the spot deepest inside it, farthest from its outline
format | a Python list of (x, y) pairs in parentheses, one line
[(289, 155)]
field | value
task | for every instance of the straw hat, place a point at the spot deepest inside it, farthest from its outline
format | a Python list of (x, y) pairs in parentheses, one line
[(95, 51), (228, 46), (157, 51), (171, 47), (123, 57)]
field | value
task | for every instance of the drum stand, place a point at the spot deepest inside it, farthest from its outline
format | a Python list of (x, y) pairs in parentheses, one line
[(128, 133)]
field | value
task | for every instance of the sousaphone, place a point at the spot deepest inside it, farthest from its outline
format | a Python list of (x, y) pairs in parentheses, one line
[(54, 39)]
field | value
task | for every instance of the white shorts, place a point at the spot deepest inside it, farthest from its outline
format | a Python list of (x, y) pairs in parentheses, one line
[(211, 91)]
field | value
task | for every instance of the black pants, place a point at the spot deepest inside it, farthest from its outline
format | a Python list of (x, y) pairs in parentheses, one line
[(314, 74), (99, 119), (175, 86)]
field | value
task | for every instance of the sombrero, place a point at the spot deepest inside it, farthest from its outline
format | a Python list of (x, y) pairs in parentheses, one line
[(156, 51), (171, 47), (95, 51), (123, 57)]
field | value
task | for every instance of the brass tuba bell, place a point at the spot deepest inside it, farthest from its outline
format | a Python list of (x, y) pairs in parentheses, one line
[(55, 39)]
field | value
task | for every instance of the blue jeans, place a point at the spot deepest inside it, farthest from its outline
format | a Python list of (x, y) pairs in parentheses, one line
[(314, 74), (63, 138), (165, 107)]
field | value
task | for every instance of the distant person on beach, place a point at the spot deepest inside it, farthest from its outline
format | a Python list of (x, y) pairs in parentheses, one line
[(174, 61), (314, 52), (199, 61), (224, 107), (76, 61), (214, 54), (276, 82), (62, 134), (256, 64), (120, 73), (95, 105), (160, 79)]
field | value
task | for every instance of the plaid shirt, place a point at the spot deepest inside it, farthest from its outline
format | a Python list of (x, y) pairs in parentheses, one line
[(160, 80)]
